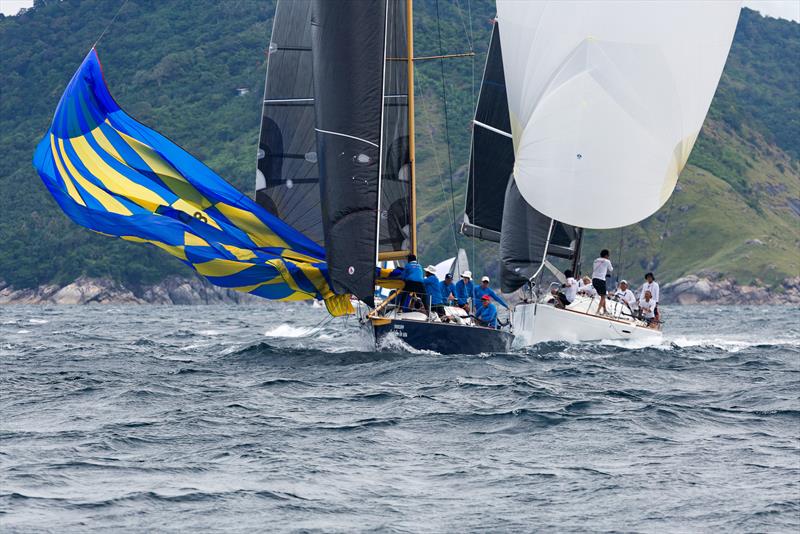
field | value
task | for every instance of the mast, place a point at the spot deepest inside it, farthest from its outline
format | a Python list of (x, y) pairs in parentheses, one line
[(411, 153)]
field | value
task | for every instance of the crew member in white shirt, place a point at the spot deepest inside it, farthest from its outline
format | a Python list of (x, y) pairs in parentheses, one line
[(570, 286), (647, 305), (600, 270), (585, 287), (650, 285), (626, 295)]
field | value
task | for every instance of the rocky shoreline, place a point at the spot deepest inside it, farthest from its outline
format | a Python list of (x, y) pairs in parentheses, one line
[(715, 289), (693, 289), (85, 290)]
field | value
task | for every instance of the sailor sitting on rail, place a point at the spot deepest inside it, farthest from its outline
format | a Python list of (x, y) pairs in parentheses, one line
[(448, 289), (464, 289), (484, 290), (585, 287), (651, 285), (570, 287), (413, 277), (486, 313), (647, 305), (626, 295), (432, 289)]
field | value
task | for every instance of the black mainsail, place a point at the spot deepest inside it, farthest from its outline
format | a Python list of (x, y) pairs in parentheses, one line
[(348, 49), (495, 209), (287, 179)]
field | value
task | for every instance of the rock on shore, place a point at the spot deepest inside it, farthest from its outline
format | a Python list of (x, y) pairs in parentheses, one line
[(84, 290), (713, 289)]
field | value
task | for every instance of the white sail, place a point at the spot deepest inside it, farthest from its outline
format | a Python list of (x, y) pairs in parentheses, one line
[(607, 99)]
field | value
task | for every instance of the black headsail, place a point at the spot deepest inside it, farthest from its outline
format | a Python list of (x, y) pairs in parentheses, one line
[(287, 180), (495, 210), (348, 49), (492, 152)]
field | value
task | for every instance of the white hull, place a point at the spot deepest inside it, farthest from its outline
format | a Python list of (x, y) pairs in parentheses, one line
[(536, 323)]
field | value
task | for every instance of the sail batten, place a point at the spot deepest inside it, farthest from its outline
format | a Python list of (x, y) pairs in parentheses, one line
[(608, 98)]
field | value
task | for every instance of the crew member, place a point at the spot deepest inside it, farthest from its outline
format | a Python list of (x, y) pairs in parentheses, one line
[(570, 288), (651, 285), (647, 305), (600, 271), (432, 289), (464, 289), (626, 295), (448, 289), (413, 278), (486, 313), (585, 287), (484, 290)]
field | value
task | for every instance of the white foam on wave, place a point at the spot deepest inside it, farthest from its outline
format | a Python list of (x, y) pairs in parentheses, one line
[(634, 344), (287, 330), (38, 321), (728, 344), (210, 332), (395, 344), (23, 331)]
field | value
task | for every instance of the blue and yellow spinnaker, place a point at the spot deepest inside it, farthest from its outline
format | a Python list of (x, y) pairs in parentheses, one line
[(117, 177)]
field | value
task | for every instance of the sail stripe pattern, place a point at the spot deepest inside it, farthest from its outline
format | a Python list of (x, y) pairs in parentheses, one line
[(118, 177)]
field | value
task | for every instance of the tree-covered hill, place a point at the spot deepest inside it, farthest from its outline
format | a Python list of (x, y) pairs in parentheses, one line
[(177, 66)]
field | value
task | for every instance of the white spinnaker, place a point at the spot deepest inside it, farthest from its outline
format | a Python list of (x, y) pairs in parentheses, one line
[(607, 98)]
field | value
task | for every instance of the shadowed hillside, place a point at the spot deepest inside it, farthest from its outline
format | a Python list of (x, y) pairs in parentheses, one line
[(177, 67)]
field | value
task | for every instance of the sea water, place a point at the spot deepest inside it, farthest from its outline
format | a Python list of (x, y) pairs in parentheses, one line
[(272, 418)]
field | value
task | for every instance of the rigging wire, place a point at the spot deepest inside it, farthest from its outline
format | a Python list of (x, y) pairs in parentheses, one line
[(447, 129), (114, 18)]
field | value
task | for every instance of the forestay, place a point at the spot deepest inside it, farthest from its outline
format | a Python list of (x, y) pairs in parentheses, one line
[(607, 98)]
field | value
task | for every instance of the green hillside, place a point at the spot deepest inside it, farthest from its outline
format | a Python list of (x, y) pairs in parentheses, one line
[(177, 65)]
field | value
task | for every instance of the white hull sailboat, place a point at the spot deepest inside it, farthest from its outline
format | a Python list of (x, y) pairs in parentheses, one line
[(539, 322), (587, 114)]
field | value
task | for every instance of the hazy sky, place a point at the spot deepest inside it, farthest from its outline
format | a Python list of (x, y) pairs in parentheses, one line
[(784, 9)]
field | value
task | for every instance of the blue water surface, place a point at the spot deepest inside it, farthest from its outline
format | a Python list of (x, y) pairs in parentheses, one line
[(172, 418)]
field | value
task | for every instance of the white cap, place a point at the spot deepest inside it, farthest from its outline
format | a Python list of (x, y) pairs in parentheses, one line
[(430, 269), (467, 274), (623, 282), (485, 279)]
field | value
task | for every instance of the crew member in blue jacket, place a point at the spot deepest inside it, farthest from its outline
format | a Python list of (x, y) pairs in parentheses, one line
[(432, 289), (484, 290), (448, 289), (486, 313), (413, 277), (464, 289)]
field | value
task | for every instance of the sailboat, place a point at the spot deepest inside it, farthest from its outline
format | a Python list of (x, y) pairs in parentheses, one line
[(587, 114), (337, 149), (335, 169)]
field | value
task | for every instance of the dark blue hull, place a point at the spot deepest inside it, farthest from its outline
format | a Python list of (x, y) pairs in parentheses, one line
[(445, 338)]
